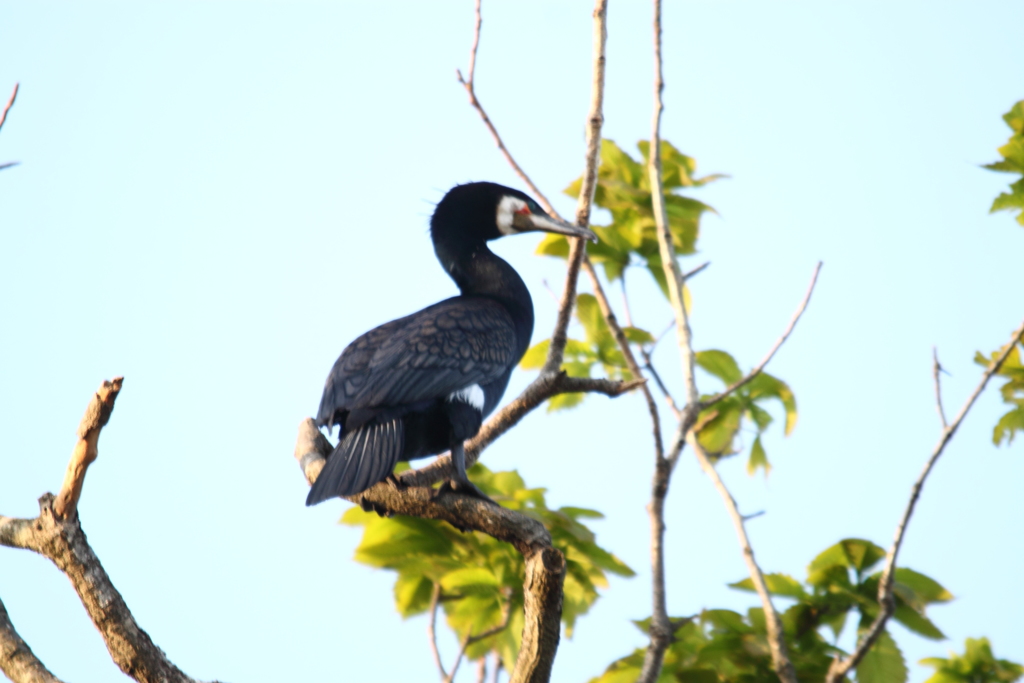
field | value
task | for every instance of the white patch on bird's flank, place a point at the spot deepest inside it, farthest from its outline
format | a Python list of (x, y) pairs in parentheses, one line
[(507, 208), (473, 395)]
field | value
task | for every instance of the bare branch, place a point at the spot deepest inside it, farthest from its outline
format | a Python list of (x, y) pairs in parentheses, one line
[(17, 660), (481, 670), (468, 84), (776, 643), (435, 598), (696, 271), (10, 103), (58, 536), (627, 353), (97, 413), (62, 541), (936, 369), (840, 667), (771, 353), (544, 564), (577, 246)]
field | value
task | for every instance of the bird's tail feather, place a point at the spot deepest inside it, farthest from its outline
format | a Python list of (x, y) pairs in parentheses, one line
[(362, 458)]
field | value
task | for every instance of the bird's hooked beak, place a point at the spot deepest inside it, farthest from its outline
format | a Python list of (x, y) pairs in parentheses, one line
[(524, 221)]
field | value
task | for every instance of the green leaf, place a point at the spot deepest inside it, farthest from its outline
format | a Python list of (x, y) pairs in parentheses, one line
[(778, 584), (883, 663), (976, 665), (535, 356), (767, 386), (917, 622), (1012, 162), (720, 364), (917, 589), (855, 553), (758, 459), (412, 594)]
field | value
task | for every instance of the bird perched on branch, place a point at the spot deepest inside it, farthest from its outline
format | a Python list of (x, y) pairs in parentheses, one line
[(422, 384)]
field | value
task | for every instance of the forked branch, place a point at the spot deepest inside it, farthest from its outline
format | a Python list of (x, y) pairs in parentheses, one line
[(841, 666), (57, 535)]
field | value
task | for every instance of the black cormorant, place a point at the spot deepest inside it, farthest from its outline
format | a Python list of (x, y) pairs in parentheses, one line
[(422, 384)]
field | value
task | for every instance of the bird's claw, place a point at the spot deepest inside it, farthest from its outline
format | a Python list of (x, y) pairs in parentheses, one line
[(464, 487)]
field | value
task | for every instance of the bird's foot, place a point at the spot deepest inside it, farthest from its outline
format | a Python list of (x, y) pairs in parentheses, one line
[(465, 487), (395, 482), (370, 506)]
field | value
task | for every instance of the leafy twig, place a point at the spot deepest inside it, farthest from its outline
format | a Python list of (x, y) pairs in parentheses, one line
[(840, 667), (771, 353)]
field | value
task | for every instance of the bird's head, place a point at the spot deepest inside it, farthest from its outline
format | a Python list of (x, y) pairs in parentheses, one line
[(487, 211)]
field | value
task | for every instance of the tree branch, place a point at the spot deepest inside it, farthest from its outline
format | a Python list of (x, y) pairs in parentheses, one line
[(17, 660), (544, 564), (840, 667), (777, 644), (10, 103), (936, 369), (627, 353), (771, 353), (507, 616), (661, 630), (577, 246), (469, 85), (97, 413), (3, 117), (435, 598), (57, 535)]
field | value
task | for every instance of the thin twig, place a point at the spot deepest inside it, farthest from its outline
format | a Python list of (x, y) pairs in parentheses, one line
[(469, 85), (584, 204), (840, 667), (696, 271), (771, 353), (496, 671), (649, 366), (435, 599), (506, 617), (627, 353), (10, 103), (936, 369), (625, 302), (481, 670), (780, 655)]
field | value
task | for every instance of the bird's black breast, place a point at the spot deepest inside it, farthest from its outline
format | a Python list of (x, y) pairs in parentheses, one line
[(420, 358)]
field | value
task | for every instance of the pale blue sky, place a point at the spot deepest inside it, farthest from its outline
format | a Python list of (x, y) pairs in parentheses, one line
[(215, 198)]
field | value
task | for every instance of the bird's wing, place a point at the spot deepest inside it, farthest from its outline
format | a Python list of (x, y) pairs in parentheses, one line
[(427, 355)]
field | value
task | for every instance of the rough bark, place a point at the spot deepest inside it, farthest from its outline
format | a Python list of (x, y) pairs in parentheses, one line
[(545, 564), (17, 660)]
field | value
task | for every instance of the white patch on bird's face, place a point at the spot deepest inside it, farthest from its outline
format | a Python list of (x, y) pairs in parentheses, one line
[(473, 395), (507, 208)]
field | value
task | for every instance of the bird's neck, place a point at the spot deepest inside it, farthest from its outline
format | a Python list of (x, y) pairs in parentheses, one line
[(479, 272)]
